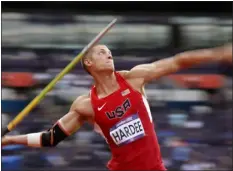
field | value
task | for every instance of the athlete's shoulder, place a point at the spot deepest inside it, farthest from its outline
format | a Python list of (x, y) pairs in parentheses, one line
[(123, 73), (83, 97), (127, 75), (81, 100), (82, 105)]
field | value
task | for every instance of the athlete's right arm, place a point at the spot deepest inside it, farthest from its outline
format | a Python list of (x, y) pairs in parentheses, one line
[(63, 128)]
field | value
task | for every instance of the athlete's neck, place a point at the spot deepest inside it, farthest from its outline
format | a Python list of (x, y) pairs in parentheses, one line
[(106, 83)]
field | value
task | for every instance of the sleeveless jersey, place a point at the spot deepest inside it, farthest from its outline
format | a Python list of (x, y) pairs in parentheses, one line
[(126, 123)]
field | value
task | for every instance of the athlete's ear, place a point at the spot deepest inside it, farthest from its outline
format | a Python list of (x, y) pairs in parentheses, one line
[(88, 62)]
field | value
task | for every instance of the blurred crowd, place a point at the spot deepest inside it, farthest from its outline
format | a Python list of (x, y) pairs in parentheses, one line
[(192, 109)]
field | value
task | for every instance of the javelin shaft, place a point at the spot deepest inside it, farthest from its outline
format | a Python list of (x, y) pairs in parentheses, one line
[(42, 94)]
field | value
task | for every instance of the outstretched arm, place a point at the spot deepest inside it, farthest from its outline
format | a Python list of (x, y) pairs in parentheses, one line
[(183, 60), (62, 129)]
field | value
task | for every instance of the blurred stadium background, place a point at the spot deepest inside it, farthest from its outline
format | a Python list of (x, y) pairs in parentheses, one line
[(192, 109)]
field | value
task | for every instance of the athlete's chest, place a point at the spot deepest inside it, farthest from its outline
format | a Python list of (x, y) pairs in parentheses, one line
[(118, 106), (121, 117)]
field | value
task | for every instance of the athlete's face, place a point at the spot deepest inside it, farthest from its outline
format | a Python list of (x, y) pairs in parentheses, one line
[(102, 59)]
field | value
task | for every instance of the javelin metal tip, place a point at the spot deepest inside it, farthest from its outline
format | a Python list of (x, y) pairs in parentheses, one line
[(114, 20)]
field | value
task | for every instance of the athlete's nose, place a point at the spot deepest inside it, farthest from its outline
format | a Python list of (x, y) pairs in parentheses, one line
[(110, 57)]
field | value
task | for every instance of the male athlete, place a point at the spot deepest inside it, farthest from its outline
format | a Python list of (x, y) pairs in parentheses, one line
[(118, 108)]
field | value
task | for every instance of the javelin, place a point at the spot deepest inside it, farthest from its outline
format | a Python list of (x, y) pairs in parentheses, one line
[(49, 87)]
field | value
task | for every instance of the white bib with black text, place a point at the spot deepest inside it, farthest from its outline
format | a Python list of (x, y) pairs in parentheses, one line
[(128, 130)]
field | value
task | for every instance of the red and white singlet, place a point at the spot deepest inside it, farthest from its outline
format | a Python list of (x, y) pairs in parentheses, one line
[(126, 122)]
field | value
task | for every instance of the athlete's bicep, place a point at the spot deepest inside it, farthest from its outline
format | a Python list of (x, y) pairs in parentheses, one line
[(76, 116), (71, 122), (155, 70)]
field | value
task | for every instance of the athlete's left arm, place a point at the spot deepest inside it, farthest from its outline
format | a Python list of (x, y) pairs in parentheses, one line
[(155, 70)]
